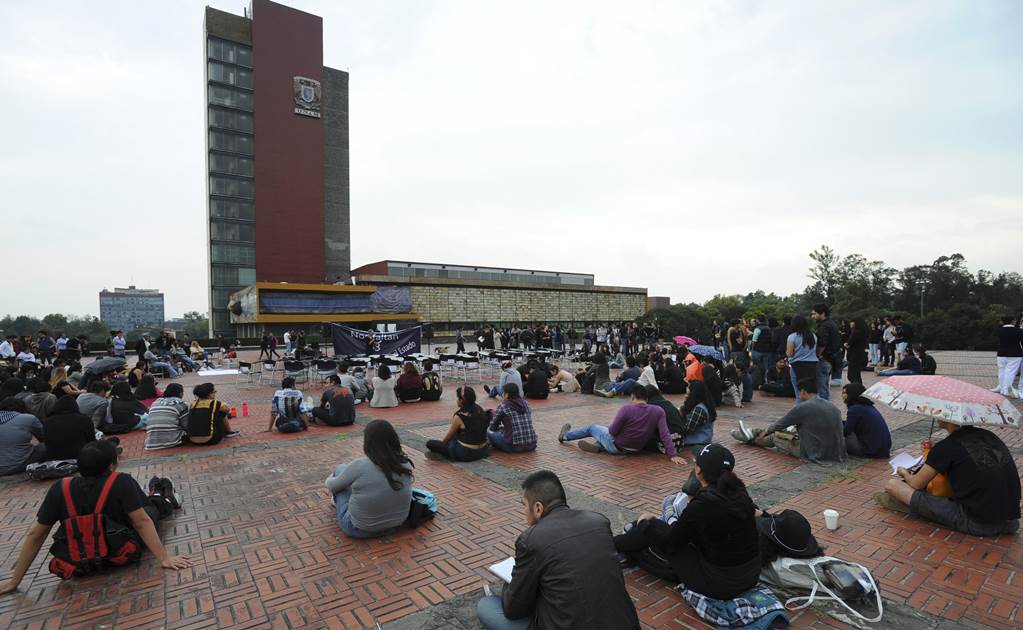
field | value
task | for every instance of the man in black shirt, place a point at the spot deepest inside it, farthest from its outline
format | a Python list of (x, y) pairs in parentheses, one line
[(829, 349), (126, 505), (984, 478)]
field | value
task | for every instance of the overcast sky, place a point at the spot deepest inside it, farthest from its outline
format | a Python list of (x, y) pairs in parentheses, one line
[(690, 147)]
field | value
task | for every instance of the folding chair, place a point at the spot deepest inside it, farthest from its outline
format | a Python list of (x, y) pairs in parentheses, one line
[(298, 371), (322, 369), (268, 373), (247, 372)]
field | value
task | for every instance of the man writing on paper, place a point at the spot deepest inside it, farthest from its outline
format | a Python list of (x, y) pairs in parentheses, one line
[(566, 575)]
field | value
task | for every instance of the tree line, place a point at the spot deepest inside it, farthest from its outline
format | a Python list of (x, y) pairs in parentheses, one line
[(94, 328), (948, 307)]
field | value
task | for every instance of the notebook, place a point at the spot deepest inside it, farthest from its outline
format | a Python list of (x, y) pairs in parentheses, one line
[(903, 460), (503, 569)]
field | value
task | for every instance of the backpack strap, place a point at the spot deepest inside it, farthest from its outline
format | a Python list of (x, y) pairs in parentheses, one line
[(105, 492), (65, 485)]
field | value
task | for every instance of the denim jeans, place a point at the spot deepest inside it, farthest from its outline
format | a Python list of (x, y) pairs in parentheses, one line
[(824, 379), (497, 441), (597, 432), (762, 360), (173, 373), (490, 611), (620, 387), (453, 450), (344, 518), (495, 391), (875, 353)]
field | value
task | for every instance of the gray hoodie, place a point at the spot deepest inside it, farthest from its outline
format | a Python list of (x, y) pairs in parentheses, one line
[(94, 406)]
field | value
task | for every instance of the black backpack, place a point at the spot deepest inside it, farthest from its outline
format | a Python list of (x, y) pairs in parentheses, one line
[(423, 508)]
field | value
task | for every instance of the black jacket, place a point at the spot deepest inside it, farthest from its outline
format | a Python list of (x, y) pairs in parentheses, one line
[(566, 575), (1009, 340)]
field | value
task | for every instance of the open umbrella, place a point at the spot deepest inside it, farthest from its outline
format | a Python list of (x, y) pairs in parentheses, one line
[(103, 365), (686, 341), (707, 351), (945, 398)]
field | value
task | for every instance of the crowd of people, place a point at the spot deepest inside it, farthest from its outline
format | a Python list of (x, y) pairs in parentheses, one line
[(710, 536)]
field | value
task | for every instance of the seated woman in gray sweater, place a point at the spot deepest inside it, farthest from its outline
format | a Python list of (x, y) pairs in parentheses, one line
[(373, 494)]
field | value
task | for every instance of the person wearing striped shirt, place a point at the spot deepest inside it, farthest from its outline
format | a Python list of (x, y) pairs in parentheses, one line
[(167, 416)]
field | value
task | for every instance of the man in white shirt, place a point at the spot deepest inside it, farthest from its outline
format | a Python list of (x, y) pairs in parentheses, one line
[(647, 376), (120, 343), (7, 347), (287, 342)]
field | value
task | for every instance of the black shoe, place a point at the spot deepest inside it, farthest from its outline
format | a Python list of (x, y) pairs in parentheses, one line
[(232, 434), (167, 491), (154, 485), (486, 388)]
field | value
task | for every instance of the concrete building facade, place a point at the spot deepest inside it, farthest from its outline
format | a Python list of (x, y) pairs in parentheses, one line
[(130, 308)]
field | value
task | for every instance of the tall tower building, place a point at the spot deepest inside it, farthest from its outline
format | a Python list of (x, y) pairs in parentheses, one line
[(276, 154)]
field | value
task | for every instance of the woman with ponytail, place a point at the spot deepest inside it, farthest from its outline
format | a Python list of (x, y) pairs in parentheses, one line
[(713, 547)]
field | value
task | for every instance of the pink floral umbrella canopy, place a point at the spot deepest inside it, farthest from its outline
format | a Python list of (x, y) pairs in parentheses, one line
[(945, 398), (688, 341)]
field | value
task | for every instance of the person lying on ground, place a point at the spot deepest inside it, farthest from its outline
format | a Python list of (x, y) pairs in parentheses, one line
[(126, 505), (466, 439), (565, 575), (714, 546), (372, 494), (511, 430), (866, 432), (632, 430), (984, 479), (818, 429)]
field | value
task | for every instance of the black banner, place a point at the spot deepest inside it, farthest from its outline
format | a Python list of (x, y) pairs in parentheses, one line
[(352, 341)]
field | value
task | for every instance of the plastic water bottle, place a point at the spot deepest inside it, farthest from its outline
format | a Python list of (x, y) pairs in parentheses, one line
[(245, 410)]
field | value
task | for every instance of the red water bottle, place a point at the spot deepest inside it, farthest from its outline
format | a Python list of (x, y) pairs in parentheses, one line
[(245, 410), (234, 412)]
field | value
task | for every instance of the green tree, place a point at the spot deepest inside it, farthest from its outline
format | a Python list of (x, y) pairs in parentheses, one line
[(198, 326)]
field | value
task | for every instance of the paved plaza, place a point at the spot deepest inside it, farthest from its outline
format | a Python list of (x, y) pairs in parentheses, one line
[(258, 523)]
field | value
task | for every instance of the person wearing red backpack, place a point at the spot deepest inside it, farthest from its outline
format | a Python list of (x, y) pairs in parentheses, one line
[(127, 523)]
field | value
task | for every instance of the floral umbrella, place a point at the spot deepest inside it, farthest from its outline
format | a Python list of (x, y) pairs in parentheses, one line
[(687, 341), (945, 398)]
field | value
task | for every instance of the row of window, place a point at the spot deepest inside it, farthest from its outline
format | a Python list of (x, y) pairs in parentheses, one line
[(239, 121), (221, 231), (229, 97), (233, 254), (235, 143), (224, 209), (232, 75), (418, 272), (230, 52), (233, 276), (231, 165), (226, 187)]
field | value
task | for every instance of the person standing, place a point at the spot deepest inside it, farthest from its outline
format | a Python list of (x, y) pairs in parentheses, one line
[(829, 348), (763, 346), (459, 342), (874, 342), (1010, 355), (856, 349), (801, 351)]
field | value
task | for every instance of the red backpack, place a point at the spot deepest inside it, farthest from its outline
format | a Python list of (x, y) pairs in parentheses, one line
[(87, 544)]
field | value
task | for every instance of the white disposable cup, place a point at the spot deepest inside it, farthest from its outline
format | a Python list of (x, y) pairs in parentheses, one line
[(831, 519)]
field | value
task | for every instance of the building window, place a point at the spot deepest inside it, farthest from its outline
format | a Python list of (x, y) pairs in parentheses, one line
[(231, 187), (224, 209), (235, 143), (230, 52), (231, 164), (228, 97), (246, 276), (239, 121), (220, 231), (232, 75), (234, 254)]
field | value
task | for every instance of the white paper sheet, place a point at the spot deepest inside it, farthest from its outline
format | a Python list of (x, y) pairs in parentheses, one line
[(903, 460), (503, 569)]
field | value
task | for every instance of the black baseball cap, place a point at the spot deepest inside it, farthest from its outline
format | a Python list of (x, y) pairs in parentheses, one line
[(713, 460)]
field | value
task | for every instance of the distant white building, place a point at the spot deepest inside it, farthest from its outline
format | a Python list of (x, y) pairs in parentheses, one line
[(131, 308)]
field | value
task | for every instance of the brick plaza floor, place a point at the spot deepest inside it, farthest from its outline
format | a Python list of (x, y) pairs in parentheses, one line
[(259, 525)]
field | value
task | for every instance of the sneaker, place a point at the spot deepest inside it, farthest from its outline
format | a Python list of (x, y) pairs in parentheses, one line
[(745, 437), (486, 388), (166, 487), (232, 434), (589, 447), (154, 485), (605, 394), (889, 502), (565, 428)]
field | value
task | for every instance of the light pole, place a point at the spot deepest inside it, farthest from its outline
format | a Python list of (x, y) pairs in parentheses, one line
[(922, 284)]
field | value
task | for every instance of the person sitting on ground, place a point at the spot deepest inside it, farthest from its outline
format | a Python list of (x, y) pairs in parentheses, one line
[(698, 415), (168, 416), (712, 379), (508, 375), (337, 405), (909, 366), (536, 385), (984, 478), (562, 381), (41, 401), (672, 380), (208, 418), (124, 413), (714, 546), (410, 384), (155, 362), (147, 392), (433, 388), (383, 388), (818, 437), (372, 494), (779, 380), (94, 402), (745, 383), (625, 381), (66, 431), (136, 373), (647, 375), (866, 432), (286, 414), (60, 383), (634, 427), (694, 367), (595, 375), (466, 439), (671, 415), (731, 386), (516, 418), (928, 365), (618, 361), (17, 428), (565, 575), (126, 506), (347, 380)]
